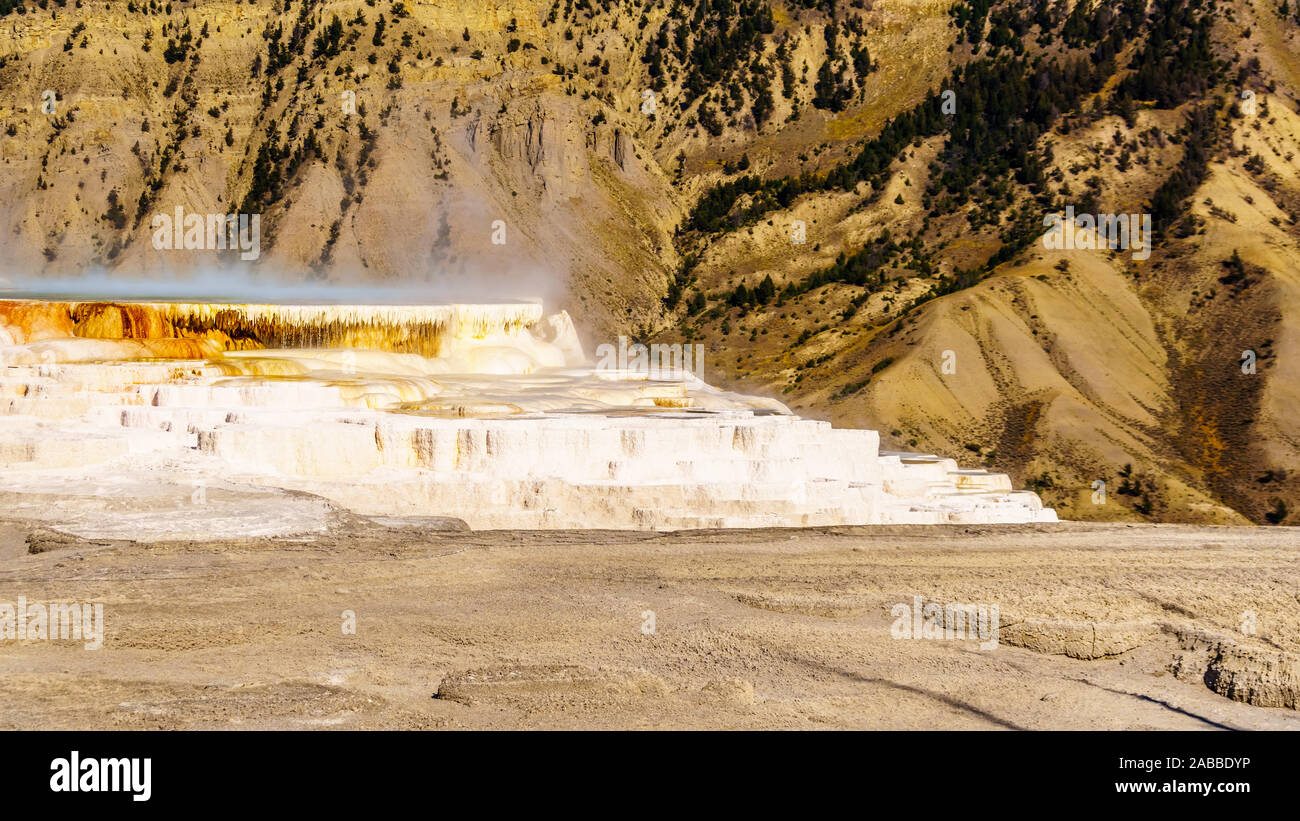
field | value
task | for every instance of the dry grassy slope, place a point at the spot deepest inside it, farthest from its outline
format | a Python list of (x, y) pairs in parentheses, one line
[(908, 42), (1064, 377), (581, 200)]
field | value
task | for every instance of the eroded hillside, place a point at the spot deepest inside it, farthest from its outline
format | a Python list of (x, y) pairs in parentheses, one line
[(924, 301), (844, 201)]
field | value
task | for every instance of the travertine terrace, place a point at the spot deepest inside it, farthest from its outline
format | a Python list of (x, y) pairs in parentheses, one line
[(492, 414)]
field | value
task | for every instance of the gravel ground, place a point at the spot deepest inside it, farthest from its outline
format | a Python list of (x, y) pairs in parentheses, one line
[(1100, 627)]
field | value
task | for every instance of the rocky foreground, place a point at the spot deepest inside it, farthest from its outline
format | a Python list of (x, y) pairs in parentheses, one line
[(1100, 627)]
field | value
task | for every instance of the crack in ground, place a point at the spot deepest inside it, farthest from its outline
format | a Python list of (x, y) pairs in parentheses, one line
[(1157, 701)]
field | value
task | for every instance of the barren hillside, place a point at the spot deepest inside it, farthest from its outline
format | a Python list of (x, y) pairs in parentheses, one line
[(843, 200)]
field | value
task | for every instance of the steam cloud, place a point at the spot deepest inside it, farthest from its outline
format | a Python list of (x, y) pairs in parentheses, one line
[(227, 285)]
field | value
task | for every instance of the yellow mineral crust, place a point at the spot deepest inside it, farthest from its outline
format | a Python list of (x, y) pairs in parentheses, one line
[(428, 330), (420, 329)]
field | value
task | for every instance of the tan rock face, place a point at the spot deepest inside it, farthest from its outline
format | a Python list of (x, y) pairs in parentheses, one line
[(1230, 666), (1078, 640), (1255, 677)]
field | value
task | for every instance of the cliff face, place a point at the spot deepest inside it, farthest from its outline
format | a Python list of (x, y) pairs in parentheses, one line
[(581, 151)]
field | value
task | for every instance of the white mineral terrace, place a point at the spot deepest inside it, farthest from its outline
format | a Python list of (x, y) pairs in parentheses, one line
[(168, 420)]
